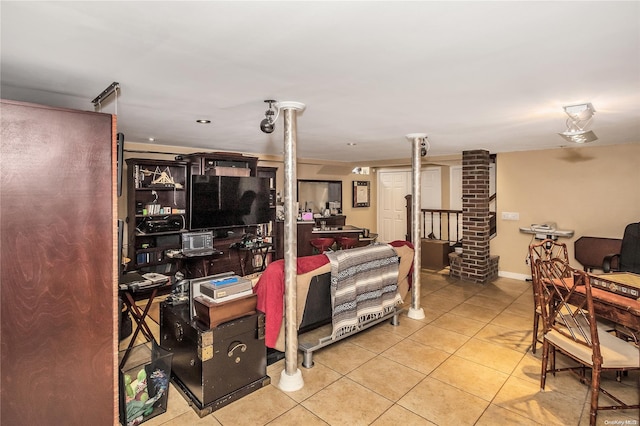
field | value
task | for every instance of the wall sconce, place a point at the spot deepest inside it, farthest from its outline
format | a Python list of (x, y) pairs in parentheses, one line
[(579, 117)]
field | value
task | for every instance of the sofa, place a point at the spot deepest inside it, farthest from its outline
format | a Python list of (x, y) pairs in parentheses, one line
[(316, 296)]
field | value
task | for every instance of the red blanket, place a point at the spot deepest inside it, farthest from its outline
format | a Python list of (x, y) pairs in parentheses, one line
[(270, 291)]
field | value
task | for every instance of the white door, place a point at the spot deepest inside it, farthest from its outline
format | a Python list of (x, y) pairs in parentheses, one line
[(431, 197), (455, 186), (393, 186), (430, 188), (455, 198)]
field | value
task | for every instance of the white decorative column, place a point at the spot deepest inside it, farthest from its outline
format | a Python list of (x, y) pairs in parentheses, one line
[(291, 377), (415, 312)]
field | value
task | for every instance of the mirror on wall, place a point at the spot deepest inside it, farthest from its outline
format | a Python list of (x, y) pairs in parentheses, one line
[(316, 196)]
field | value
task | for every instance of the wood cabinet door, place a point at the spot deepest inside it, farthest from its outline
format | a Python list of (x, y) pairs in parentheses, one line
[(58, 239)]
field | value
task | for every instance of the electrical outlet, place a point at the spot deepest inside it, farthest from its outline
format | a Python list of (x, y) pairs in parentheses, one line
[(510, 216)]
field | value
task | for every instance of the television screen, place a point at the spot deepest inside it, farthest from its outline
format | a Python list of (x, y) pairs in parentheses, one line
[(225, 201)]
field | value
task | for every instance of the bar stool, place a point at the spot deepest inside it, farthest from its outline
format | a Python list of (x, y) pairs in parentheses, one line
[(322, 244), (345, 243)]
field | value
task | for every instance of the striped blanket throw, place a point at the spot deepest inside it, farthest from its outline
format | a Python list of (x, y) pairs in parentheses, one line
[(364, 286)]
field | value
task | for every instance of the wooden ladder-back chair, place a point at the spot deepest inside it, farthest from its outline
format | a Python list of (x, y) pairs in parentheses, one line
[(545, 249), (570, 327)]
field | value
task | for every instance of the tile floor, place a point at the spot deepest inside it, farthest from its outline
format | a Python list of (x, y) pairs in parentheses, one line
[(468, 362)]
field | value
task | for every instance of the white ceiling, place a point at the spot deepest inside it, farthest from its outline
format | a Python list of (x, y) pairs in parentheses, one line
[(472, 75)]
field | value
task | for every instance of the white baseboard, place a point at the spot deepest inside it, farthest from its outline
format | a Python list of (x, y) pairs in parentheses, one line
[(513, 275)]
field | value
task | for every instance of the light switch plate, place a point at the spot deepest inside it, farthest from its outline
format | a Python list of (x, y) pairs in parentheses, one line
[(510, 216)]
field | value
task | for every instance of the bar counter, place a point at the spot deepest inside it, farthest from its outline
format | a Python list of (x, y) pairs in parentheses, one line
[(308, 230)]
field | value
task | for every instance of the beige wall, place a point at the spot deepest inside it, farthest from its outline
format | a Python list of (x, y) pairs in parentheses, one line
[(593, 190), (364, 217)]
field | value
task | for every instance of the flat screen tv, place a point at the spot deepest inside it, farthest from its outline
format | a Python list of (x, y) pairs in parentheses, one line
[(227, 201)]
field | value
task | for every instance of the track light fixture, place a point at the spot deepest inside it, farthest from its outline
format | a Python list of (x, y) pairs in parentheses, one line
[(580, 116), (267, 125), (424, 147)]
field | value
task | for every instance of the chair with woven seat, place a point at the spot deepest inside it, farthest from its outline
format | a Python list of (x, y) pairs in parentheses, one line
[(545, 249), (345, 243), (571, 329), (321, 245)]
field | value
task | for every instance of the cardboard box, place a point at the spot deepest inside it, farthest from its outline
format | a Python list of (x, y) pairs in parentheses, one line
[(434, 254), (212, 314)]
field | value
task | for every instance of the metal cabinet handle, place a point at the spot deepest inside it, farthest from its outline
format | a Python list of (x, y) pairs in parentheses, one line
[(178, 331), (240, 345)]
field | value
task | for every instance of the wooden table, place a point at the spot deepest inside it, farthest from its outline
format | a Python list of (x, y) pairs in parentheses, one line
[(130, 296), (613, 307)]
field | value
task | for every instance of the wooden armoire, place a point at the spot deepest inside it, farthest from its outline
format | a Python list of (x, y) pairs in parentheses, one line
[(58, 266)]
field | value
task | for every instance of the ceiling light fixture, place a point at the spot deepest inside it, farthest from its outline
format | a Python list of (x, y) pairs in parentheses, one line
[(203, 121), (580, 116), (270, 117)]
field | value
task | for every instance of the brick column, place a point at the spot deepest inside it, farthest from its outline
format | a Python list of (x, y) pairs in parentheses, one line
[(476, 263)]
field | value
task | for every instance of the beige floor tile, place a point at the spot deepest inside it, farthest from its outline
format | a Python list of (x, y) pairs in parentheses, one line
[(441, 403), (478, 313), (407, 326), (190, 418), (438, 302), (495, 415), (176, 406), (610, 418), (377, 339), (462, 325), (422, 358), (430, 314), (511, 286), (257, 408), (459, 287), (343, 356), (491, 302), (453, 294), (626, 390), (397, 415), (490, 355), (441, 369), (440, 338), (529, 367), (549, 407), (386, 377), (521, 309), (518, 340), (499, 295), (526, 297), (346, 402), (315, 379), (513, 321), (476, 379), (297, 416)]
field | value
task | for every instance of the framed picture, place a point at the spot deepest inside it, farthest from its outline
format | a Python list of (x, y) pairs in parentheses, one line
[(361, 193)]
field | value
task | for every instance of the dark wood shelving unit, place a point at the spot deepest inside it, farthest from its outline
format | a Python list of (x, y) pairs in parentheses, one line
[(157, 211)]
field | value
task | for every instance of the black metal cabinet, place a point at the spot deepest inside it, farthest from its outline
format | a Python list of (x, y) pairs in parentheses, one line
[(214, 367)]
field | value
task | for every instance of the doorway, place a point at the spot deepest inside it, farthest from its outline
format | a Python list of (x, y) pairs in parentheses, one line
[(393, 186)]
